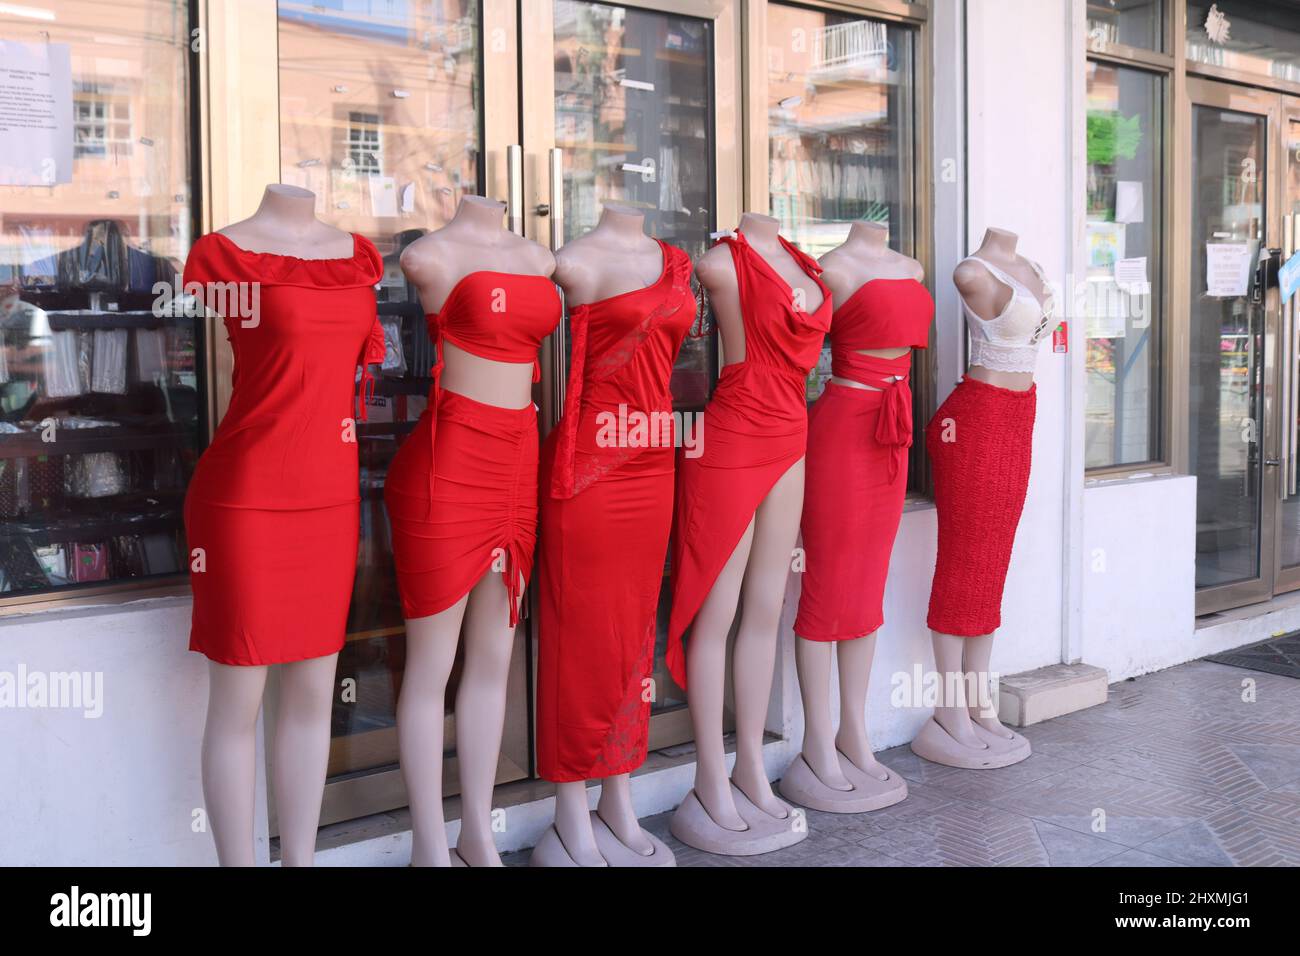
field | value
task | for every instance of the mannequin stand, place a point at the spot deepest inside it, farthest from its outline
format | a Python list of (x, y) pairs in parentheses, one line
[(763, 832), (550, 849), (802, 786)]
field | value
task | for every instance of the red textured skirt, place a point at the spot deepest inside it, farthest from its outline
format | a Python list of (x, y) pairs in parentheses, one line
[(853, 502), (463, 502), (270, 587), (980, 443), (600, 569)]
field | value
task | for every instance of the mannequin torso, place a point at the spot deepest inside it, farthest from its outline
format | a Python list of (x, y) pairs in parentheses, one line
[(988, 297), (615, 258), (285, 224)]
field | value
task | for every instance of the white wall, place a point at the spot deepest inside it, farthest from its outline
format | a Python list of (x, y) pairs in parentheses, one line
[(121, 788)]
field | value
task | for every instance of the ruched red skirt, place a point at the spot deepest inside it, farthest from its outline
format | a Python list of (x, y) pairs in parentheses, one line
[(853, 502), (463, 502), (270, 587), (601, 565), (980, 443)]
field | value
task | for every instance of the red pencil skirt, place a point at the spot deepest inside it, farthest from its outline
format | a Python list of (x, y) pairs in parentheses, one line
[(462, 501), (980, 443), (853, 502), (600, 569)]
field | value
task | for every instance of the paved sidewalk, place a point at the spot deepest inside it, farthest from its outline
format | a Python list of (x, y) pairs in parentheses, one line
[(1175, 769)]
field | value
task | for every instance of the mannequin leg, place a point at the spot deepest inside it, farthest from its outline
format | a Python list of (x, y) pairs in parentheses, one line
[(229, 759), (813, 661), (953, 714), (979, 654), (854, 659), (421, 719), (776, 528), (615, 808), (301, 754), (573, 823), (481, 714), (706, 661)]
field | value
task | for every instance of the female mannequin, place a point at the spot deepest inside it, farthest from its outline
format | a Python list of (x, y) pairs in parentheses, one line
[(606, 514), (839, 607), (760, 400), (1010, 303), (283, 229), (474, 243)]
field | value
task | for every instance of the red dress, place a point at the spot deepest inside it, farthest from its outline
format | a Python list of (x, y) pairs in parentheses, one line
[(274, 501), (607, 504), (461, 492), (857, 461), (755, 428)]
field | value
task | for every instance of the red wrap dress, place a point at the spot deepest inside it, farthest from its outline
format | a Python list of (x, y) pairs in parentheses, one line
[(461, 492), (272, 514), (755, 427), (607, 503), (857, 460)]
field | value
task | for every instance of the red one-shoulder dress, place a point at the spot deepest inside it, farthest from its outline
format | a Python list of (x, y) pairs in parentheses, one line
[(607, 505), (755, 428), (272, 513)]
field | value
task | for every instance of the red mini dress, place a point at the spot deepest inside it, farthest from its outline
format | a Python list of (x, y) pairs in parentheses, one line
[(755, 428), (607, 508), (461, 492), (857, 461), (272, 513)]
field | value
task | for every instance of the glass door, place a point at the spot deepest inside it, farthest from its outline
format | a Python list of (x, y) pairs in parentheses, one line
[(1234, 349), (1288, 517), (635, 105)]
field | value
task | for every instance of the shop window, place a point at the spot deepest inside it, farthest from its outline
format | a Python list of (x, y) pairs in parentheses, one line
[(363, 147), (1135, 23), (1260, 37), (841, 139), (102, 394), (1124, 333)]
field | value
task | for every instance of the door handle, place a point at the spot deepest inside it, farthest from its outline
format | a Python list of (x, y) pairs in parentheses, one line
[(1273, 462), (515, 188), (555, 208)]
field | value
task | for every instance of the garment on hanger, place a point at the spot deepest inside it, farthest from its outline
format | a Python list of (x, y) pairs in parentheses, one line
[(607, 504), (461, 492), (272, 509), (755, 429), (857, 460)]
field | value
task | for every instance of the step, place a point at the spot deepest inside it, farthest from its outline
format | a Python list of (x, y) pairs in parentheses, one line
[(1048, 692)]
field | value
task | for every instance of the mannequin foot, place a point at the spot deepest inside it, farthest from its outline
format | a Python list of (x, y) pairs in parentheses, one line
[(827, 768), (1002, 740), (758, 789), (622, 822), (476, 852), (935, 744), (858, 753), (720, 806), (435, 856), (579, 842), (958, 725)]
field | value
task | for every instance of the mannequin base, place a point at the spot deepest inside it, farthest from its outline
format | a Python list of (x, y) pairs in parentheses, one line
[(802, 786), (763, 833), (550, 849), (936, 745)]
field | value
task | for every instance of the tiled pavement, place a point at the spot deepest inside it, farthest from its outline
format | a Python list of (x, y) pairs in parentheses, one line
[(1197, 765)]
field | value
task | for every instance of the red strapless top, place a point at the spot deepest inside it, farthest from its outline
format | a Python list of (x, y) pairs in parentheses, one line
[(299, 329), (622, 358)]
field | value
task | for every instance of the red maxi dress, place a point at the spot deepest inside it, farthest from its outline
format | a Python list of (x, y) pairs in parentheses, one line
[(461, 492), (857, 460), (606, 511), (755, 427), (274, 503)]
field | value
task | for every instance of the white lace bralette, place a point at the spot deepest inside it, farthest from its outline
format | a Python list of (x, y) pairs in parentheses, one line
[(1009, 342)]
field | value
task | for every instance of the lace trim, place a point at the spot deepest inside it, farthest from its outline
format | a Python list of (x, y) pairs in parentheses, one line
[(1004, 358)]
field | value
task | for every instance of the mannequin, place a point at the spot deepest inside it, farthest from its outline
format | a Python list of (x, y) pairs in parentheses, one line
[(614, 258), (753, 579), (475, 240), (284, 224), (973, 737), (848, 778)]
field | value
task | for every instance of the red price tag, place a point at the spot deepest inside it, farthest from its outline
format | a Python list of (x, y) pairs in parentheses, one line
[(1061, 339)]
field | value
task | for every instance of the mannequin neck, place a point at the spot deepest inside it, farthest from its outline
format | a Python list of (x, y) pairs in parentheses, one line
[(622, 223), (765, 229), (480, 215), (998, 244), (287, 207), (868, 238)]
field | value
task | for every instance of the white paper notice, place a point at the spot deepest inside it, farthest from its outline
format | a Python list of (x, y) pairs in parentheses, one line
[(35, 114), (383, 196), (1131, 275), (1227, 269), (1128, 201), (408, 197)]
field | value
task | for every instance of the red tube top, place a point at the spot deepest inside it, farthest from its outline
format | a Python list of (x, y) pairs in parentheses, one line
[(299, 329)]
